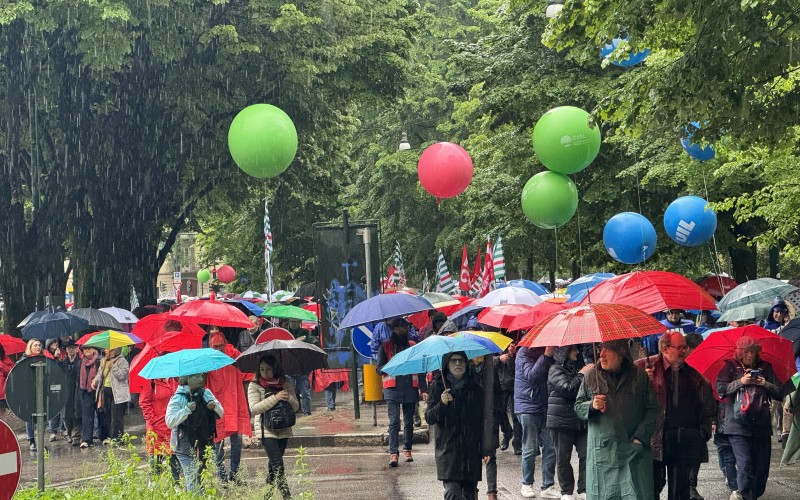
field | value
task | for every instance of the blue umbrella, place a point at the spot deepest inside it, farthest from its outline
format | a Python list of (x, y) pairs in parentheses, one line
[(530, 285), (579, 296), (53, 324), (427, 355), (254, 309), (382, 307), (586, 282), (186, 362)]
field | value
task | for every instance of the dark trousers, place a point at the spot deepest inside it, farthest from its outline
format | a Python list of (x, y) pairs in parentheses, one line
[(159, 463), (512, 427), (73, 423), (394, 425), (676, 473), (112, 417), (491, 474), (727, 460), (695, 470), (460, 490), (88, 408), (752, 464), (275, 449), (564, 441)]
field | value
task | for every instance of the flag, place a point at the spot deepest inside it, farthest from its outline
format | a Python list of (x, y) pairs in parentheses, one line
[(487, 283), (400, 270), (445, 284), (387, 281), (464, 281), (477, 276), (134, 299), (498, 260), (267, 250), (426, 284), (392, 277)]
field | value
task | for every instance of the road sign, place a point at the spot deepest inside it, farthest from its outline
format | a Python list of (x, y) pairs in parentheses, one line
[(176, 278), (21, 388), (361, 337), (10, 462), (274, 333)]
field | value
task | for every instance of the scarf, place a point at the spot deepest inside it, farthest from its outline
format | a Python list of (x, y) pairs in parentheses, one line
[(271, 385), (88, 372), (456, 385)]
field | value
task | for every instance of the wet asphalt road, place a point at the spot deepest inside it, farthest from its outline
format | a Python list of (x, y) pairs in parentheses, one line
[(361, 473)]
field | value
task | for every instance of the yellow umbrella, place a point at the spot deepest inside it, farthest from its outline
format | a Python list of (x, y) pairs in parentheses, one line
[(111, 339), (497, 339)]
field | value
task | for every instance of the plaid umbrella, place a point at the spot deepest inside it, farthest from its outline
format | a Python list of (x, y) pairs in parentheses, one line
[(591, 323), (746, 311), (753, 291), (503, 315)]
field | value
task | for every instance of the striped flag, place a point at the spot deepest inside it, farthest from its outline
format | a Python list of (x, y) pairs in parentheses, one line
[(267, 249), (464, 282), (134, 299), (400, 269), (487, 282), (426, 283), (445, 283), (499, 261)]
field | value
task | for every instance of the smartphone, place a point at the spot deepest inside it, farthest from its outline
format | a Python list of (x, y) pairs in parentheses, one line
[(755, 373)]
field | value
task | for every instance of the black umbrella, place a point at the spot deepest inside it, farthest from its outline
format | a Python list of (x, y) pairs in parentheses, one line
[(34, 316), (53, 324), (295, 357), (792, 330), (97, 319)]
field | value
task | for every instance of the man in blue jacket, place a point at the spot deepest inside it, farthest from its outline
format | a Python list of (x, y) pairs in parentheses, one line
[(530, 405)]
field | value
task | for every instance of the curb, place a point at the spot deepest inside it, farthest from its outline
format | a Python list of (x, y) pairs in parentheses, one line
[(421, 436)]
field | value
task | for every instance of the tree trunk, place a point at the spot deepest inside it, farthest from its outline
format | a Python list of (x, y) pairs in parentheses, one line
[(744, 263), (774, 262)]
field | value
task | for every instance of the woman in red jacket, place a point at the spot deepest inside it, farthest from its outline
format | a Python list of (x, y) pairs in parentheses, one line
[(153, 402)]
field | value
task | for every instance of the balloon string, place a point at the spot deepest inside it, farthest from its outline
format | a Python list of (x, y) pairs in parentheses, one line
[(715, 261), (555, 270), (580, 247)]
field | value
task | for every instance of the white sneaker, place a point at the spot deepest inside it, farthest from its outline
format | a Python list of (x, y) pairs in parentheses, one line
[(551, 492), (580, 496), (735, 495), (567, 497), (527, 491)]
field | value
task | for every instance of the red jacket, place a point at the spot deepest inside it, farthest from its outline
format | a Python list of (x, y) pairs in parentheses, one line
[(153, 402), (5, 367), (227, 385)]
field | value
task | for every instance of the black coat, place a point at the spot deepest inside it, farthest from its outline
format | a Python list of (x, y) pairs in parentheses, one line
[(729, 383), (459, 430), (72, 369), (563, 382)]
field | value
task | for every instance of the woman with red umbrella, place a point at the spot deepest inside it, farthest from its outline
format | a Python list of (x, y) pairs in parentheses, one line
[(748, 383), (5, 368)]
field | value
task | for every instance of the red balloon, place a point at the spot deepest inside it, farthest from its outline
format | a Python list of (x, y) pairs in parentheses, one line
[(226, 274), (444, 169)]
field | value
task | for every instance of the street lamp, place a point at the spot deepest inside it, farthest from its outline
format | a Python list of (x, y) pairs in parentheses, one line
[(553, 9), (404, 144)]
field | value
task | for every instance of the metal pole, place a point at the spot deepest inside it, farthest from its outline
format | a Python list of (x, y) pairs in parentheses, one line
[(40, 416), (353, 353), (367, 235)]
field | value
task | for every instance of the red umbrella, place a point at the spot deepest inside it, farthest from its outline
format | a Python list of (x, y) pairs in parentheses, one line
[(210, 312), (720, 346), (465, 301), (501, 316), (152, 326), (591, 323), (175, 341), (536, 314), (651, 292), (135, 381), (717, 286), (12, 345)]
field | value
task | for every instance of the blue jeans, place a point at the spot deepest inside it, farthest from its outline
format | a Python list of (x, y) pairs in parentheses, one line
[(534, 434), (189, 467), (236, 455), (727, 460), (394, 425), (303, 391), (330, 395)]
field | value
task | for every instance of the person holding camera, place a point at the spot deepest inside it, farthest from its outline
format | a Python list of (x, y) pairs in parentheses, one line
[(273, 404), (747, 383)]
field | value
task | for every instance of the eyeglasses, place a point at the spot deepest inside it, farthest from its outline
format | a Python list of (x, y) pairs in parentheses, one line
[(680, 347), (455, 361)]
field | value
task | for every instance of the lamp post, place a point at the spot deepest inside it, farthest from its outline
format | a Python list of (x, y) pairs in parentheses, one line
[(553, 9), (404, 144)]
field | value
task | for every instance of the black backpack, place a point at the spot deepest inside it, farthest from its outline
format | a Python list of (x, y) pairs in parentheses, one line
[(279, 416), (201, 425)]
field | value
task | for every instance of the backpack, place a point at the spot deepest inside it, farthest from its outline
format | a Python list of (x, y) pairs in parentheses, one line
[(200, 428), (279, 416)]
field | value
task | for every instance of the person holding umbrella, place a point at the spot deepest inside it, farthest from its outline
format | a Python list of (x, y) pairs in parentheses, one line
[(71, 364), (403, 391), (33, 349), (455, 406), (747, 383), (191, 414), (112, 381), (90, 364), (268, 396), (5, 368), (153, 400)]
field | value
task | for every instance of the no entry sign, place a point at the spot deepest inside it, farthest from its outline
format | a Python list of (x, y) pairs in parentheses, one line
[(10, 462)]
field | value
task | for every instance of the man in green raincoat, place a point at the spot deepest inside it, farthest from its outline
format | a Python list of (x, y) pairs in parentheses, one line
[(617, 399)]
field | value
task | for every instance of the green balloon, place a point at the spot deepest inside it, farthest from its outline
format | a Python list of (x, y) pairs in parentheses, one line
[(262, 140), (203, 275), (566, 139), (549, 199)]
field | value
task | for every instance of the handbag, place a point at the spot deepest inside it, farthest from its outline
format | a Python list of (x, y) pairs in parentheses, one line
[(279, 417)]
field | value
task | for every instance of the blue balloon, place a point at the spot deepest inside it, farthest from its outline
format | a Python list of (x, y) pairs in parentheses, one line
[(696, 151), (632, 60), (630, 238), (689, 221)]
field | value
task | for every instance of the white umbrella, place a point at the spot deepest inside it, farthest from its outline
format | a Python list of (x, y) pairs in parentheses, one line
[(509, 295), (121, 315)]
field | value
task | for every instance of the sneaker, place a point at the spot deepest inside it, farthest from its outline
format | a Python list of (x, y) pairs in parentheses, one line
[(694, 495), (33, 446), (518, 451), (417, 421), (551, 492), (393, 460), (735, 495), (84, 445), (580, 496), (527, 491), (567, 497), (52, 437), (407, 455)]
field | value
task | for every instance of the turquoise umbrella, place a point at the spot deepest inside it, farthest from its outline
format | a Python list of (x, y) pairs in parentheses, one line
[(184, 363), (427, 355)]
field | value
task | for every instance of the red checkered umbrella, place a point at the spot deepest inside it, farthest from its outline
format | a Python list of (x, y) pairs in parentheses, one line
[(501, 316), (592, 323)]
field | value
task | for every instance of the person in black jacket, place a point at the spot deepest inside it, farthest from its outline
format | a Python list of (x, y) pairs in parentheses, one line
[(563, 381), (455, 406), (72, 411)]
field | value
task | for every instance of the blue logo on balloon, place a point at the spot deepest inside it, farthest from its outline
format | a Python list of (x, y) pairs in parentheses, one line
[(629, 238), (632, 60), (696, 151), (689, 221)]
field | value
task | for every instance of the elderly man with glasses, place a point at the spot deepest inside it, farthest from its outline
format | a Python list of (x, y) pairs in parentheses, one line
[(686, 410)]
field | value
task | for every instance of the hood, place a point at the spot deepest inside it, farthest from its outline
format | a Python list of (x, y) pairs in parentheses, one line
[(447, 327), (560, 354), (446, 361)]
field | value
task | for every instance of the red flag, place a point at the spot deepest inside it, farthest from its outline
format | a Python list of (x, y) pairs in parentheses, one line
[(388, 282), (488, 270), (464, 282), (476, 268)]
